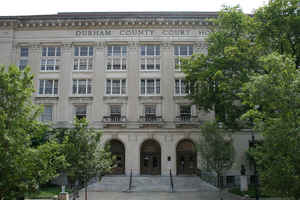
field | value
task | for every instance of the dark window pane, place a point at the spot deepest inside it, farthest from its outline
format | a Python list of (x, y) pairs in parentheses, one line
[(24, 52)]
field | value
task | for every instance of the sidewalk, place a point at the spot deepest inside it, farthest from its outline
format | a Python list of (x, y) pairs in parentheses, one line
[(157, 196)]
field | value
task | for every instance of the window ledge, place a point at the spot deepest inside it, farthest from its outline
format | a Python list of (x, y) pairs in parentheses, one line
[(49, 71), (114, 71), (147, 71), (48, 95), (80, 95), (82, 71)]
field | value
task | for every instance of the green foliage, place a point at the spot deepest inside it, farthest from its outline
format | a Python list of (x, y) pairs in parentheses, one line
[(46, 192), (216, 148), (277, 27), (250, 70), (274, 100), (85, 157), (218, 76), (23, 166), (251, 192)]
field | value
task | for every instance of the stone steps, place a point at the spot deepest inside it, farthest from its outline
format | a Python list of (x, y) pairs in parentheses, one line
[(151, 184)]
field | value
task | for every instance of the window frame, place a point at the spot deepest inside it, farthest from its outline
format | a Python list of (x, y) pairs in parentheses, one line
[(42, 117), (177, 56), (185, 116), (24, 50), (85, 106), (88, 87), (111, 55), (156, 87), (21, 65), (183, 87), (45, 58), (78, 59), (144, 57), (23, 57), (54, 89), (109, 89)]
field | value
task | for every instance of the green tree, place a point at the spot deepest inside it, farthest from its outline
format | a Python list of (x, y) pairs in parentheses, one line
[(216, 149), (274, 100), (277, 27), (23, 166), (217, 77), (85, 157)]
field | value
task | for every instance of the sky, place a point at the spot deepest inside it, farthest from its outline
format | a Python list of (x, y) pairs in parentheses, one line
[(40, 7)]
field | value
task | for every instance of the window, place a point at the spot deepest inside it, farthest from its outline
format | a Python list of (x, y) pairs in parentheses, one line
[(115, 86), (48, 87), (185, 113), (181, 87), (24, 51), (80, 111), (47, 114), (82, 86), (51, 51), (150, 57), (230, 180), (83, 60), (150, 112), (181, 51), (116, 58), (23, 62), (49, 61), (150, 86), (115, 113)]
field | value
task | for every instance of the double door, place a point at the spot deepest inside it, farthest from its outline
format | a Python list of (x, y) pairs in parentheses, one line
[(186, 163), (150, 163)]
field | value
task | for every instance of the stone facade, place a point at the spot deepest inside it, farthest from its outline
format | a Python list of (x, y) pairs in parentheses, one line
[(119, 70)]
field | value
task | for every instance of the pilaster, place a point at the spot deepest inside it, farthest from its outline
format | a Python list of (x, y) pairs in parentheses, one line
[(133, 81), (65, 82)]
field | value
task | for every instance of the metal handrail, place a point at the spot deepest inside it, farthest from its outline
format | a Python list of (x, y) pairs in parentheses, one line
[(130, 181), (171, 181)]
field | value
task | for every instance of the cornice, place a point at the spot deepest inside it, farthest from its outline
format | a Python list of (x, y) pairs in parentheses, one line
[(38, 24)]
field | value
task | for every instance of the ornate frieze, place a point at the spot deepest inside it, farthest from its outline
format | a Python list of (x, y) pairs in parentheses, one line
[(109, 21)]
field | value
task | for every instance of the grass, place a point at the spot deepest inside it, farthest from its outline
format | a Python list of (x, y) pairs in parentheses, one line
[(250, 192), (46, 192)]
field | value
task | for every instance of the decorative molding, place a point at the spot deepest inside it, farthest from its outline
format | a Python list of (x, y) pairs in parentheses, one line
[(153, 99), (46, 100), (132, 137), (81, 100), (133, 45), (187, 134)]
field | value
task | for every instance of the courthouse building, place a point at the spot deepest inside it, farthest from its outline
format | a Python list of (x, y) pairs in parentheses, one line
[(122, 72)]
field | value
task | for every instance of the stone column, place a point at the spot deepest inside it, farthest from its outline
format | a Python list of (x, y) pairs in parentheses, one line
[(34, 59), (244, 183), (65, 83), (167, 83), (133, 83), (132, 155), (98, 82)]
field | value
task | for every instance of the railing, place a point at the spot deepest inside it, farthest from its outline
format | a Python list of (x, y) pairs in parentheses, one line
[(151, 119), (130, 181), (171, 181), (186, 118), (114, 119)]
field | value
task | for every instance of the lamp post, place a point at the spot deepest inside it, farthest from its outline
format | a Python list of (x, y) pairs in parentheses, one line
[(256, 183)]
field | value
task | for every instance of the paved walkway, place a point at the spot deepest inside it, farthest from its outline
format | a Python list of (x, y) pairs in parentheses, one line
[(157, 196), (154, 188)]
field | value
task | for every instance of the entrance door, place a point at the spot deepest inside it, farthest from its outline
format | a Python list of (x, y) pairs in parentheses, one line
[(150, 158), (118, 152), (186, 158)]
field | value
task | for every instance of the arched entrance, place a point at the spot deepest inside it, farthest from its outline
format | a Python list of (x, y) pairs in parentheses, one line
[(150, 158), (186, 157), (117, 150)]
